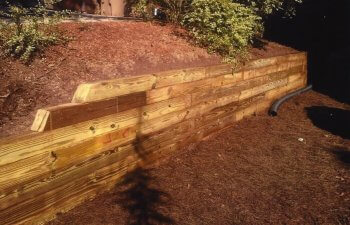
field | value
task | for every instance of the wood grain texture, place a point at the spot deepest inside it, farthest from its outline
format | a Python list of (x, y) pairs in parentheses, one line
[(265, 62), (113, 88), (130, 122), (66, 191), (173, 77), (249, 74), (222, 69), (50, 141)]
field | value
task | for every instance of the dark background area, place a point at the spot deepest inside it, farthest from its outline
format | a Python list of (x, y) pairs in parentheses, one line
[(322, 28)]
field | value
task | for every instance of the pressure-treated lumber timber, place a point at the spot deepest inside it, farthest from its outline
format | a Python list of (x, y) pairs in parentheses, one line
[(217, 70), (49, 141), (173, 77), (89, 182), (161, 94), (263, 88), (142, 120), (291, 86), (109, 89), (249, 74), (75, 186), (156, 111), (201, 108), (15, 175), (62, 159), (66, 156), (67, 114), (174, 131), (245, 88), (72, 134), (112, 88), (265, 62), (294, 77)]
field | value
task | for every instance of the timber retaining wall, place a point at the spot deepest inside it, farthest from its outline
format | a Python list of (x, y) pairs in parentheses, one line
[(84, 147)]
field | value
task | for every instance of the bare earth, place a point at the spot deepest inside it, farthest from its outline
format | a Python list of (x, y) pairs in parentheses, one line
[(98, 51)]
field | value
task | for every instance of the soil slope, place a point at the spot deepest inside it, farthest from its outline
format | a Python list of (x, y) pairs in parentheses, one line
[(97, 51)]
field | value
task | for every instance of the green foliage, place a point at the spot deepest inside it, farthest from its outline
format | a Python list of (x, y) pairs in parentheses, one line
[(267, 7), (142, 9), (30, 30), (174, 9), (222, 26)]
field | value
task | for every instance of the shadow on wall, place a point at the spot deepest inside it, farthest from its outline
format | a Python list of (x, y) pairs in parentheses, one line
[(137, 193), (141, 200), (322, 28), (333, 120)]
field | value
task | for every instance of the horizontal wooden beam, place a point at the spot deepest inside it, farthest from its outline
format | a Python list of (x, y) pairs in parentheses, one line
[(112, 88), (52, 118), (114, 126)]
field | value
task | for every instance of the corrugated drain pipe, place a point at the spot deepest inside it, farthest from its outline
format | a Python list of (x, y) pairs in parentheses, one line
[(274, 108)]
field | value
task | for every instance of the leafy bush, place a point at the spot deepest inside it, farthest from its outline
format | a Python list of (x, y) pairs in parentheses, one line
[(141, 9), (30, 30), (174, 9), (267, 7), (222, 26)]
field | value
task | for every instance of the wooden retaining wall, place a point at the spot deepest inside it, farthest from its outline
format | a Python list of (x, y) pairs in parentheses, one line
[(84, 147)]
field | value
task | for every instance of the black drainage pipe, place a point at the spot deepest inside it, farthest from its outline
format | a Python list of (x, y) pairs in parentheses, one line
[(274, 108)]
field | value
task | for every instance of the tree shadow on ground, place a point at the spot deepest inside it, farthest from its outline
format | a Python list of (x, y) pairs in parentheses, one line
[(333, 120), (321, 28), (142, 200), (343, 155)]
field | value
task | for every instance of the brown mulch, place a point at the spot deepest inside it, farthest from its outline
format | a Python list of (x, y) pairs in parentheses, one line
[(290, 169), (98, 51)]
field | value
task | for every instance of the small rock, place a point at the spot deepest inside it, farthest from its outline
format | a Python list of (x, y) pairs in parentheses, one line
[(340, 178), (301, 139)]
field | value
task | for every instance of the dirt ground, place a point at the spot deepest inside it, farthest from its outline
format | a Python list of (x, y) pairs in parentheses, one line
[(289, 169), (97, 51)]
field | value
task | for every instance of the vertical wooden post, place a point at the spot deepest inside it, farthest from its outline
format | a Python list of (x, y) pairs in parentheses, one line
[(118, 7), (112, 7)]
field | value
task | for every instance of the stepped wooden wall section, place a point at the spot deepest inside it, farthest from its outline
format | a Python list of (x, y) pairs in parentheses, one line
[(84, 147)]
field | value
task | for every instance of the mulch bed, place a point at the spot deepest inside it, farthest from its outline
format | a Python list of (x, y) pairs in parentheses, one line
[(290, 169), (98, 51)]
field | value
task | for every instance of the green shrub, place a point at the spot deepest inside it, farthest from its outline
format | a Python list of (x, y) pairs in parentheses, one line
[(267, 7), (141, 9), (222, 26), (174, 9), (30, 30)]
